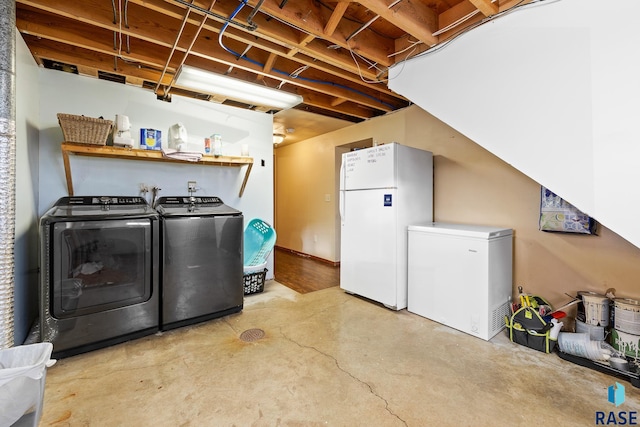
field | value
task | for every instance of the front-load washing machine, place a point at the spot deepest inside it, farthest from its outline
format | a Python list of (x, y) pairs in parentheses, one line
[(202, 266)]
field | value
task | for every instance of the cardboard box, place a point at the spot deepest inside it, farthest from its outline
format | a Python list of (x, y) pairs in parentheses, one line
[(150, 139)]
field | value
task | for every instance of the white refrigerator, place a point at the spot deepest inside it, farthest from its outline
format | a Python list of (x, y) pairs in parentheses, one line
[(383, 189)]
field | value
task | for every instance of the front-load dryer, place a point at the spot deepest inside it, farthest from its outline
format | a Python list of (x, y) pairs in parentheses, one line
[(99, 272)]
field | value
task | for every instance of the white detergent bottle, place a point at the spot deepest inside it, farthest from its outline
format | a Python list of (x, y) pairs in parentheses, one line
[(555, 330), (217, 144)]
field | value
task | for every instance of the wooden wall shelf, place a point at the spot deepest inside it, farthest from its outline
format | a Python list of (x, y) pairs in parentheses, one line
[(146, 155)]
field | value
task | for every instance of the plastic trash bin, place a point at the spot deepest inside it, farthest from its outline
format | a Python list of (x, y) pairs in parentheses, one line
[(22, 377)]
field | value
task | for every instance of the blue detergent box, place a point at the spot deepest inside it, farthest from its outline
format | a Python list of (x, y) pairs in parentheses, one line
[(150, 139)]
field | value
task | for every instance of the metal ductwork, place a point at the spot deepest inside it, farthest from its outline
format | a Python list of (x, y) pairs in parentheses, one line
[(7, 169)]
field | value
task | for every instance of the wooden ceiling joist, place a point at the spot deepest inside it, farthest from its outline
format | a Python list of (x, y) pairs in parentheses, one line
[(335, 54), (487, 7), (335, 18), (412, 16)]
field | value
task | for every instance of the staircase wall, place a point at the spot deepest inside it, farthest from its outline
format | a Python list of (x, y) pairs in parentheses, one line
[(553, 89)]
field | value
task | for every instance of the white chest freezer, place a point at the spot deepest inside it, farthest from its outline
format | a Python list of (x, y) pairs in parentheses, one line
[(460, 275)]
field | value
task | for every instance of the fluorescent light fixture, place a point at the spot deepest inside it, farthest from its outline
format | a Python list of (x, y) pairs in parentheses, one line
[(218, 84), (278, 138)]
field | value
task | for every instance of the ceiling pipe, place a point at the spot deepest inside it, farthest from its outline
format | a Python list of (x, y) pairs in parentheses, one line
[(207, 13), (126, 24), (253, 13), (117, 19), (126, 14), (216, 16), (113, 7), (173, 49), (186, 53)]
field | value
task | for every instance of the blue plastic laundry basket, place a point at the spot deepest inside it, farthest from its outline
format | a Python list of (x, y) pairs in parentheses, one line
[(259, 240)]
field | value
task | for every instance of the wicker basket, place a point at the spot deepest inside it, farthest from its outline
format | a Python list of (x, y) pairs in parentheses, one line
[(84, 130)]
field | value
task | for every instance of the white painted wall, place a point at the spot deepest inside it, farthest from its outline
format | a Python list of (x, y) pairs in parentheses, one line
[(66, 93), (26, 210), (552, 89)]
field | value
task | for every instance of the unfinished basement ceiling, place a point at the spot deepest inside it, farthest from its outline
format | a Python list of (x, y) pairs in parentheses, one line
[(335, 54)]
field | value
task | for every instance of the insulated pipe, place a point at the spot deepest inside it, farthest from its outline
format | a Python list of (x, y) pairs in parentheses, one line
[(7, 168)]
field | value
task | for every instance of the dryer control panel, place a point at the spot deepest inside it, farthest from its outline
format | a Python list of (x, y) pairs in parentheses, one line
[(179, 201), (100, 200)]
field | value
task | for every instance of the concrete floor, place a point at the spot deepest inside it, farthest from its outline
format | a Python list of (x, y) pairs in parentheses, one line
[(327, 359)]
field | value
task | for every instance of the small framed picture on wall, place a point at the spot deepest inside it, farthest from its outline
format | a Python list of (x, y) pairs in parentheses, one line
[(556, 214)]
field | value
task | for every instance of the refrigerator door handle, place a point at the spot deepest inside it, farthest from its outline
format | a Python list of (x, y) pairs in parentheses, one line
[(342, 190)]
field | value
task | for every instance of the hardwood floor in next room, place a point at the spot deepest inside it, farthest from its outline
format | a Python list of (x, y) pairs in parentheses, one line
[(303, 273)]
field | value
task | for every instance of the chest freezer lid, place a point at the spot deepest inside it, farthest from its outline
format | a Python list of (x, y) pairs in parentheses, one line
[(463, 230)]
